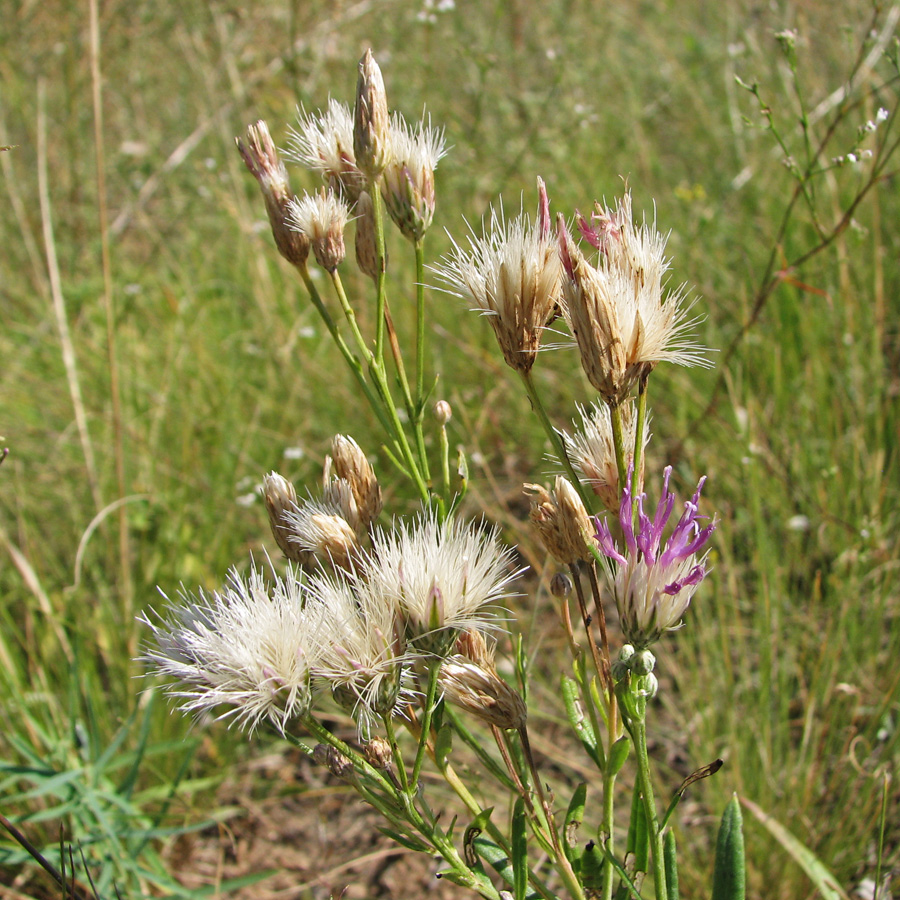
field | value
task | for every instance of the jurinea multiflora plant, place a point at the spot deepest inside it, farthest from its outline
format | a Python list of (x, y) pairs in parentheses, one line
[(396, 621)]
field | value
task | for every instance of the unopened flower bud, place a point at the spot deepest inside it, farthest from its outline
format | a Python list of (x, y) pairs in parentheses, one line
[(371, 126), (351, 464), (262, 160), (561, 521), (322, 218), (333, 760), (594, 322), (643, 662), (366, 245), (280, 499), (378, 753), (443, 412), (481, 691), (329, 537), (560, 586)]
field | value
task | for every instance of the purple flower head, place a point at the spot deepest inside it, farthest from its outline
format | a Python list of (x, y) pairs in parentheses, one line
[(653, 581)]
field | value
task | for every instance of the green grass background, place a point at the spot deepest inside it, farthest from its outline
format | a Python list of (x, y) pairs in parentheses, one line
[(787, 667)]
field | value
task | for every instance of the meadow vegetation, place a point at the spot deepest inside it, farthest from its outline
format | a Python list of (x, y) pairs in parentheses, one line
[(157, 358)]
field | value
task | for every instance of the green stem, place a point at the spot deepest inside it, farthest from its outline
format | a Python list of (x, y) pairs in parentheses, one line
[(638, 479), (554, 436), (637, 727), (445, 461), (434, 667), (615, 417), (378, 216), (398, 760), (390, 419), (353, 363), (564, 867), (420, 323)]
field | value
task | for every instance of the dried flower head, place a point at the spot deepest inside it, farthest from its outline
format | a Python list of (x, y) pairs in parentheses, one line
[(245, 647), (262, 160), (561, 521), (323, 143), (441, 577), (371, 128), (653, 583), (623, 322), (512, 274), (592, 451), (474, 685), (322, 218), (408, 181), (319, 528), (351, 465), (280, 499)]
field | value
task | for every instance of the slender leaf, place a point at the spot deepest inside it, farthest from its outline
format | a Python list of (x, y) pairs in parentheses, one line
[(824, 881)]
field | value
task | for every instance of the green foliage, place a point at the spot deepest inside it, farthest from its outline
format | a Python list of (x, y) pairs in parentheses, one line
[(729, 875)]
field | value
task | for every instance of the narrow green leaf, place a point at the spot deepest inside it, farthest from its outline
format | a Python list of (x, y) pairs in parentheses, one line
[(408, 841), (618, 754), (519, 851), (728, 877), (443, 744), (817, 872), (574, 818), (670, 858), (638, 843), (579, 721)]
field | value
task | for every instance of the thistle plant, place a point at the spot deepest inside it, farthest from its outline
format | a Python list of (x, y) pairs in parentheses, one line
[(398, 621)]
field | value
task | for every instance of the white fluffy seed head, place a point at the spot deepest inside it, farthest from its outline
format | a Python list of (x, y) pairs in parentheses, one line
[(245, 648)]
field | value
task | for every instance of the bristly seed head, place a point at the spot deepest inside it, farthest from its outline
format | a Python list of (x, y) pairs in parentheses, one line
[(408, 180), (622, 321), (323, 143), (322, 218), (245, 647), (512, 274), (440, 577), (591, 449)]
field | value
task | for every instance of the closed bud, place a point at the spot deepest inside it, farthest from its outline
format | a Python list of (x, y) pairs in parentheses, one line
[(560, 586), (443, 412), (366, 245), (280, 499), (261, 158), (371, 125), (561, 521), (478, 689), (378, 753), (333, 760), (351, 465), (324, 535)]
